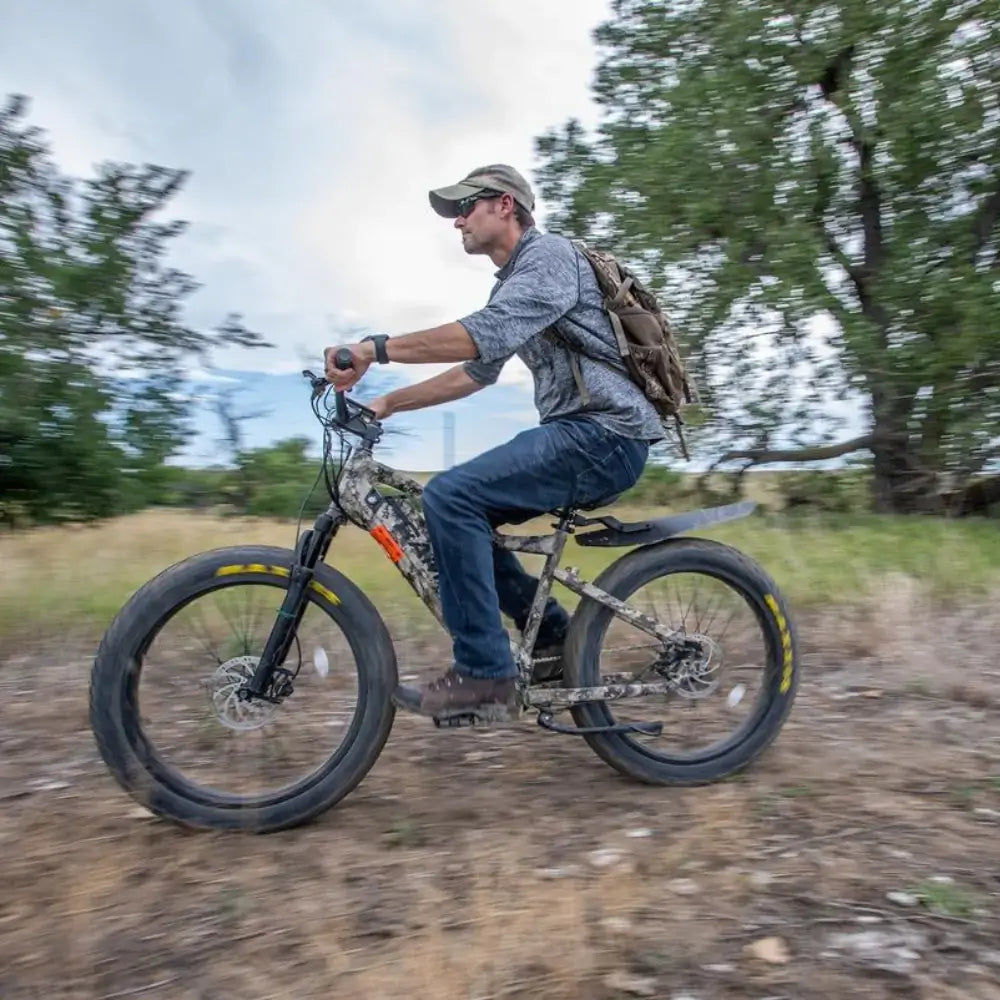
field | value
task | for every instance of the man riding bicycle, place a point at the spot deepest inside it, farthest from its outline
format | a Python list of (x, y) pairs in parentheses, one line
[(595, 430)]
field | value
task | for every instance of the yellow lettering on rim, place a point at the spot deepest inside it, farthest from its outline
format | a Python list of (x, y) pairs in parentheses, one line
[(244, 568), (238, 570), (325, 592), (786, 643)]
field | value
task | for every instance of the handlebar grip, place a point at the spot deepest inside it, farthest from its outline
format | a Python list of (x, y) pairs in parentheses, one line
[(342, 360)]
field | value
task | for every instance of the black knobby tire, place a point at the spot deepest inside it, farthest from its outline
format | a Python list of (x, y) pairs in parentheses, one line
[(131, 756), (621, 579)]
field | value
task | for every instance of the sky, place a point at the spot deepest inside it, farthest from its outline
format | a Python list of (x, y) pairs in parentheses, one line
[(313, 130)]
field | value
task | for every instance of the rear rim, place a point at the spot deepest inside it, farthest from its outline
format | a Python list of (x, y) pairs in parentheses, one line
[(722, 686), (187, 725)]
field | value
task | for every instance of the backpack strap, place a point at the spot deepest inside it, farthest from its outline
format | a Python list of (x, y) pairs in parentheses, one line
[(573, 352), (619, 332), (574, 365), (619, 295)]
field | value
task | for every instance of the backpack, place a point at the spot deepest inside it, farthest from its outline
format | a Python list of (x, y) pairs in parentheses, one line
[(646, 343)]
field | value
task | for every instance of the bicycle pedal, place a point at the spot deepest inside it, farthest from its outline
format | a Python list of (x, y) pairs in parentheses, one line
[(457, 721), (488, 716)]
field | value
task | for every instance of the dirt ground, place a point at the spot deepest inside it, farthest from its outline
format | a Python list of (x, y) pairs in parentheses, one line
[(514, 863)]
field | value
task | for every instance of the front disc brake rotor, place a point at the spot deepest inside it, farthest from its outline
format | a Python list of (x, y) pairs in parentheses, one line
[(232, 711)]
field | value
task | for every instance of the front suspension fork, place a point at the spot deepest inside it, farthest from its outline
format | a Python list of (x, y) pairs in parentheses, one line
[(310, 550)]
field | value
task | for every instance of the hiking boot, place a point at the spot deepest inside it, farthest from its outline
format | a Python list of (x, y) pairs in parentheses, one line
[(552, 667), (489, 699)]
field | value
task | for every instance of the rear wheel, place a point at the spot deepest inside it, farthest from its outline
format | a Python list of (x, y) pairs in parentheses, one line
[(165, 705), (733, 681)]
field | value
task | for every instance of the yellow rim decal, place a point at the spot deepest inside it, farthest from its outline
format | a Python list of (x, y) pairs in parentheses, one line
[(325, 592), (241, 569), (786, 643), (252, 568)]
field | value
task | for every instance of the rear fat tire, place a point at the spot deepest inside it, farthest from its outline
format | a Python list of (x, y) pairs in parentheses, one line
[(781, 677), (117, 727)]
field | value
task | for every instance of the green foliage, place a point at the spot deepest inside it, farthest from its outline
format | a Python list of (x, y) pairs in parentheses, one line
[(946, 898), (274, 481), (814, 189), (840, 492), (657, 485), (92, 340)]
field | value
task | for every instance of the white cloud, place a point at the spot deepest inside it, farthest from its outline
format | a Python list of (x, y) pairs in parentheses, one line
[(312, 132)]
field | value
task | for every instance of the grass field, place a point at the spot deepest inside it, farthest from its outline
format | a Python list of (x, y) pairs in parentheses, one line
[(61, 577)]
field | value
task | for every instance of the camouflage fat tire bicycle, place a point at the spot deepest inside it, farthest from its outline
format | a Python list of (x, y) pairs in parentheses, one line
[(250, 687)]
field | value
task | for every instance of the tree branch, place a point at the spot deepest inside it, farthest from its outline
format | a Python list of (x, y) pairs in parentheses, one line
[(854, 273), (833, 84), (764, 456)]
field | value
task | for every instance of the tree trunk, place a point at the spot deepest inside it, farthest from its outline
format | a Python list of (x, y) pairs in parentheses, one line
[(901, 483)]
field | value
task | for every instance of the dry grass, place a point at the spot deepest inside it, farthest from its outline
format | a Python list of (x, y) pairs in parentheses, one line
[(62, 577)]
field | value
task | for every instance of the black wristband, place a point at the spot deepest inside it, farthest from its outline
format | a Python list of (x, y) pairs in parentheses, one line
[(379, 339)]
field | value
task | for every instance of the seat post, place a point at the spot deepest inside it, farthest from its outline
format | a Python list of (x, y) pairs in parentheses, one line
[(567, 520)]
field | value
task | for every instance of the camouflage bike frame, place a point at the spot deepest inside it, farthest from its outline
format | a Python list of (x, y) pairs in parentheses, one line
[(398, 525)]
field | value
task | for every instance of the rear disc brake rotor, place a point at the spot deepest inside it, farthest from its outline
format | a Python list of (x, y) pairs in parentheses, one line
[(694, 670)]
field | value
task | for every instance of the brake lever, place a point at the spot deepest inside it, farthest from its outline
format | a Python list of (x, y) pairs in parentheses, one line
[(318, 383)]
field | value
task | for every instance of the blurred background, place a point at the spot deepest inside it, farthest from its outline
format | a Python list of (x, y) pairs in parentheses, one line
[(197, 198)]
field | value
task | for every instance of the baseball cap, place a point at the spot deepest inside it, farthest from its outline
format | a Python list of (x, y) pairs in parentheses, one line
[(495, 177)]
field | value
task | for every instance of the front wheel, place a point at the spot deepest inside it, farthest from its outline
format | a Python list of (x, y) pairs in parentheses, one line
[(732, 679), (165, 706)]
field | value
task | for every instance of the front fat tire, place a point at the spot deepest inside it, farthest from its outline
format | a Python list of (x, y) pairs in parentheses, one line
[(116, 724), (622, 578)]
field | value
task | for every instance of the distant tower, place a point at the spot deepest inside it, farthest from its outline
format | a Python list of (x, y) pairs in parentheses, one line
[(449, 439)]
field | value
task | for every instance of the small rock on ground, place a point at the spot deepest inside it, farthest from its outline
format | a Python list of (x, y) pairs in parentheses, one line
[(637, 986), (683, 886), (772, 950)]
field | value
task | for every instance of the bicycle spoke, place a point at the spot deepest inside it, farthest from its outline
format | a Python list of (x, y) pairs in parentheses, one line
[(201, 726), (700, 710)]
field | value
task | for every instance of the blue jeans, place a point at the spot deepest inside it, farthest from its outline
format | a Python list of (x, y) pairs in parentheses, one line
[(566, 462)]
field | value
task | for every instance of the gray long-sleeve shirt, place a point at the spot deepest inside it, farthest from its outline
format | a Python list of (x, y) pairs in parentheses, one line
[(547, 284)]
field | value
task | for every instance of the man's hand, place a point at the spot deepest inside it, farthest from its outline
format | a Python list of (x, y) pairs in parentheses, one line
[(361, 356)]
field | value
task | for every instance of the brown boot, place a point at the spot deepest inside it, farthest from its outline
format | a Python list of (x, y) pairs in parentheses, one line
[(488, 699)]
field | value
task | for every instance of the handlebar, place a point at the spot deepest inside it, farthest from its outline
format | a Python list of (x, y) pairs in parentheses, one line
[(342, 360), (350, 415)]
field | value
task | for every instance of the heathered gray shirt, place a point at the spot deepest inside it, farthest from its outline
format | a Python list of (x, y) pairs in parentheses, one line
[(548, 283)]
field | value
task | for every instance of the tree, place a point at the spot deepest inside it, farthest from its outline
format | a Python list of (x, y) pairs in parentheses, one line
[(814, 189), (93, 346), (275, 481)]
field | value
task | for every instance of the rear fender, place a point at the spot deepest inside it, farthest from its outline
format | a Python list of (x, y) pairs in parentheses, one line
[(616, 532)]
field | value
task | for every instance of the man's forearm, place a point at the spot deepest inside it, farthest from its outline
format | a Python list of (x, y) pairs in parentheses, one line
[(443, 388), (450, 342)]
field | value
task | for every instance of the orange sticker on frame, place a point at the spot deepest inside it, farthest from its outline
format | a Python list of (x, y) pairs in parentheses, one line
[(391, 546)]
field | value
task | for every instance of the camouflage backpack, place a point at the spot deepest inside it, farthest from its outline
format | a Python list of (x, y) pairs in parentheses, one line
[(646, 343)]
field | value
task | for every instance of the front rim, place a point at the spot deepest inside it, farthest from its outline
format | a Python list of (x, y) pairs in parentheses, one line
[(181, 720)]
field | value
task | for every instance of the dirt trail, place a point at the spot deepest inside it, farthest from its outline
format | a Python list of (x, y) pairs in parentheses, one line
[(515, 863)]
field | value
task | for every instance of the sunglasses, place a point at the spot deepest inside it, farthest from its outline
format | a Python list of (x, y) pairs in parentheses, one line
[(466, 205)]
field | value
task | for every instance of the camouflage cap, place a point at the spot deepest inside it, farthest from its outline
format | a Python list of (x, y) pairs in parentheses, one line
[(495, 177)]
